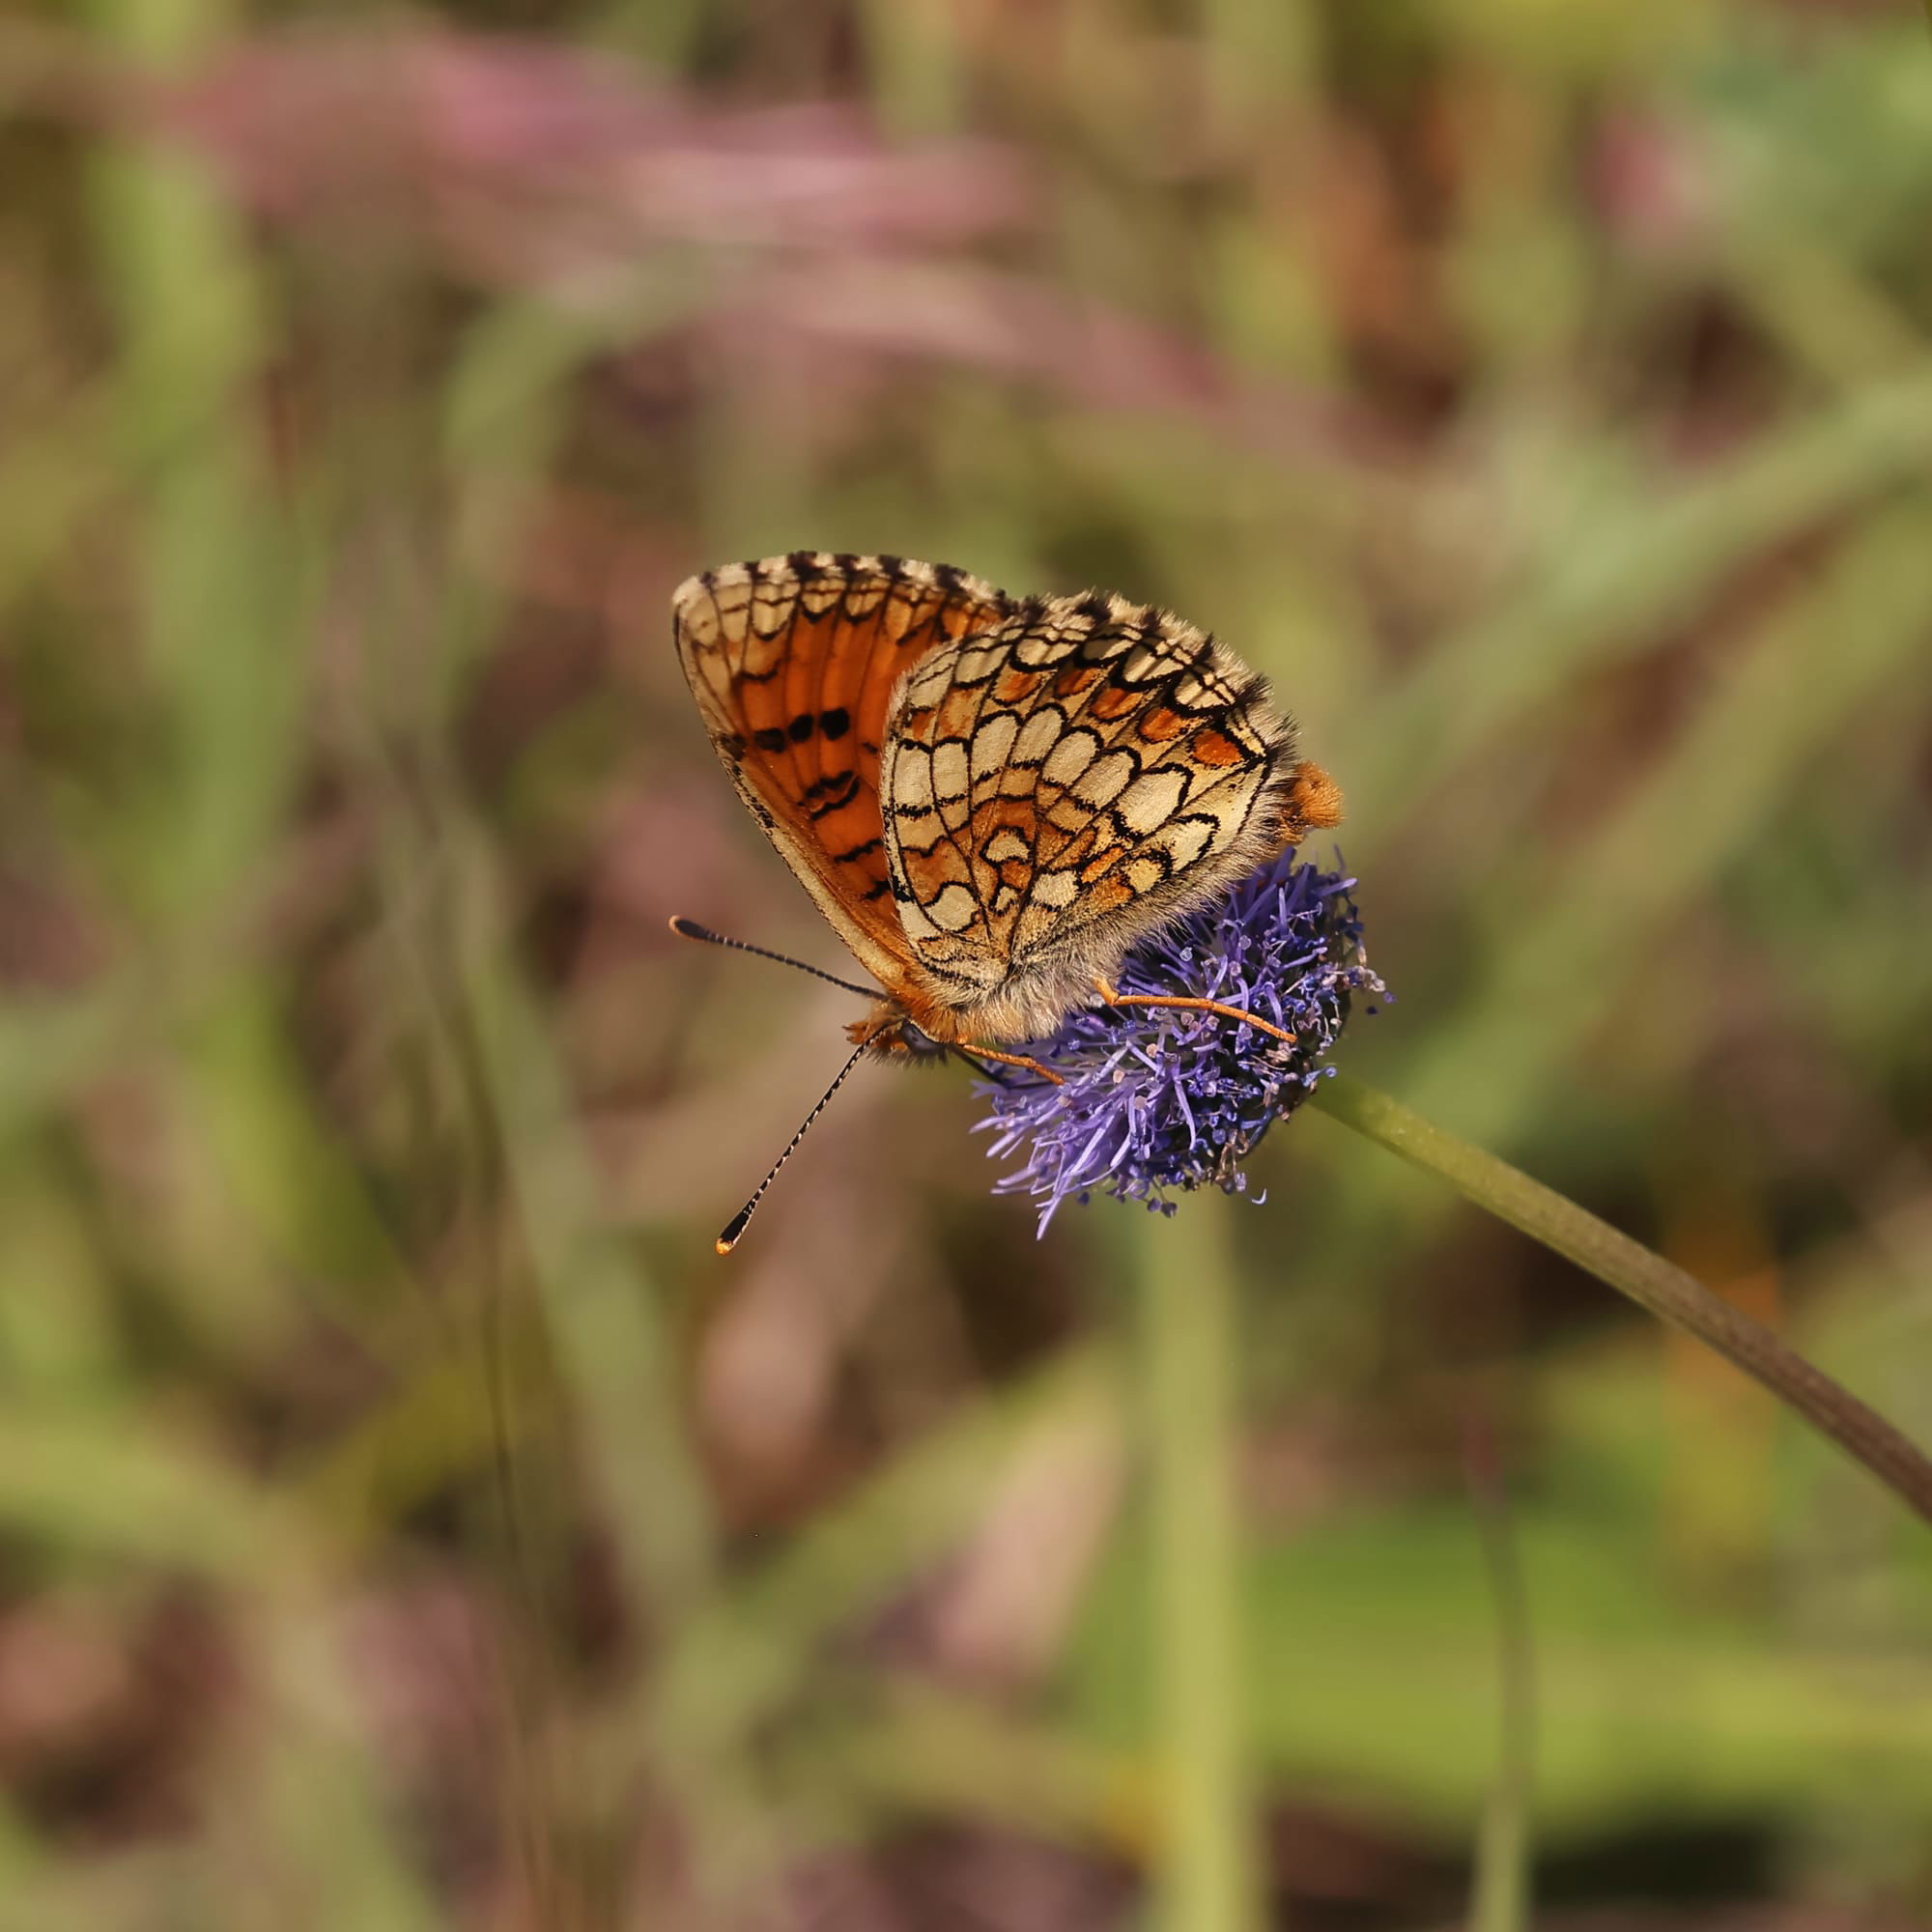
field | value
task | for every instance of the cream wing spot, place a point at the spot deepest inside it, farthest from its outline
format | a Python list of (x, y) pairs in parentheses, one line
[(770, 604), (1055, 890), (927, 687), (1184, 839), (1234, 799), (912, 779), (950, 773), (993, 742), (1149, 802), (820, 595), (1105, 779), (953, 910), (1041, 648), (716, 673), (1007, 844), (697, 613), (1069, 757), (1203, 690), (976, 666), (1038, 737)]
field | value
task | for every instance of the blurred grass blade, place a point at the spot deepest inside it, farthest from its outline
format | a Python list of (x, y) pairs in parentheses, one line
[(218, 570), (1500, 1897), (1618, 571), (605, 1315), (1733, 768)]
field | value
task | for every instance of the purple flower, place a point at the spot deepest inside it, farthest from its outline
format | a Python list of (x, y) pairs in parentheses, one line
[(1160, 1097)]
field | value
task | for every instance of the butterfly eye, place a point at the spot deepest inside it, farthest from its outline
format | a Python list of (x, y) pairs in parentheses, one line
[(918, 1040)]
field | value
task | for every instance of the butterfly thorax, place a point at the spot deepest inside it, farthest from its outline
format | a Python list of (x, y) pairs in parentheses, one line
[(1027, 1004)]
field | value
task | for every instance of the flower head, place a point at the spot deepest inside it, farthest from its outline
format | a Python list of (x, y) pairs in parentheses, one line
[(1159, 1098)]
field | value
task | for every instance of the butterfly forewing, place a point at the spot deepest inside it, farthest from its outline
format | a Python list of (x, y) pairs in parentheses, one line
[(793, 662)]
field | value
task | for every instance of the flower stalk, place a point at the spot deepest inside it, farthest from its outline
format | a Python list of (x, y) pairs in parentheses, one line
[(1653, 1283), (1208, 1857), (1154, 1099)]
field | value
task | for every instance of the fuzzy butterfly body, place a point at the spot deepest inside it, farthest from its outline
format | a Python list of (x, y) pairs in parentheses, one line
[(991, 799)]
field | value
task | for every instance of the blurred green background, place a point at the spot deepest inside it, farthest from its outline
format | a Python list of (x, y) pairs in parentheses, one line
[(405, 1520)]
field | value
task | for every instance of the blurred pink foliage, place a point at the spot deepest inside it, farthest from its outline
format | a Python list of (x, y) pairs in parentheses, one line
[(1653, 183), (525, 166), (532, 163)]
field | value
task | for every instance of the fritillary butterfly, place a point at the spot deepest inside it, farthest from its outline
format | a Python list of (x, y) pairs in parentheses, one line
[(991, 799)]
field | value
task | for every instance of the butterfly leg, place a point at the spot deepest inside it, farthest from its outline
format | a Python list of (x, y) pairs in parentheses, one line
[(1023, 1059), (971, 1057), (1113, 998)]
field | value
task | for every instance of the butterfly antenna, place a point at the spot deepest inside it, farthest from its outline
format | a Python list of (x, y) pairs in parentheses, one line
[(735, 1226), (689, 928)]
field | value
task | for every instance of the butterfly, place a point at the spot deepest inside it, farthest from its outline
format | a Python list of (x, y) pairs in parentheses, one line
[(992, 799)]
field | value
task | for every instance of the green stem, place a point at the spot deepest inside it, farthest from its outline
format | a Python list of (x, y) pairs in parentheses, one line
[(1209, 1882), (1500, 1898), (1648, 1279)]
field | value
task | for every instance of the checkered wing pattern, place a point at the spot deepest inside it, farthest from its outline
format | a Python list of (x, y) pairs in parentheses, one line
[(1068, 779)]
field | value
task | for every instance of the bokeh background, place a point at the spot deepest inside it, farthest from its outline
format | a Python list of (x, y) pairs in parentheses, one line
[(405, 1520)]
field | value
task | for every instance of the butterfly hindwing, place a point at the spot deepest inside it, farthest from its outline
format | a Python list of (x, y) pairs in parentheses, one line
[(1066, 783)]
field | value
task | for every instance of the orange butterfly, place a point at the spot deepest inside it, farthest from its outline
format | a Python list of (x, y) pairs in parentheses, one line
[(992, 799)]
